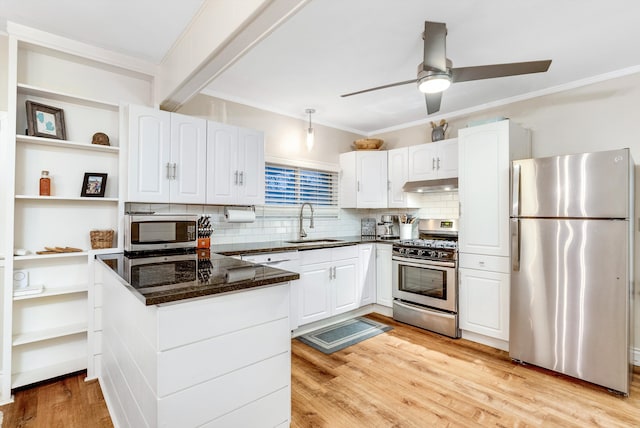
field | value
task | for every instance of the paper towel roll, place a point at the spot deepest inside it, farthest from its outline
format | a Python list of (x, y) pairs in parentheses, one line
[(240, 216), (240, 274)]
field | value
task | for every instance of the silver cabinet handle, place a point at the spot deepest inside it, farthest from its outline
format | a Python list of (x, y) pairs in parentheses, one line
[(236, 178), (433, 163), (388, 184), (334, 272), (358, 185), (242, 178), (175, 171), (438, 164), (168, 171), (330, 273)]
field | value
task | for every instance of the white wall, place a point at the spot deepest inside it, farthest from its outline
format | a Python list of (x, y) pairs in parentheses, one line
[(600, 116)]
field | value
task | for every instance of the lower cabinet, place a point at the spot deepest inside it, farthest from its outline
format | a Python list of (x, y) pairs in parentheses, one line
[(484, 302), (384, 275), (328, 283), (367, 277)]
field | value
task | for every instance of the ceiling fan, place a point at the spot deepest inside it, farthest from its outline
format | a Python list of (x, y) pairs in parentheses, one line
[(435, 72)]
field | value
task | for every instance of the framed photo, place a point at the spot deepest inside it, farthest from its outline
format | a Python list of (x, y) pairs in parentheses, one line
[(94, 185), (45, 121)]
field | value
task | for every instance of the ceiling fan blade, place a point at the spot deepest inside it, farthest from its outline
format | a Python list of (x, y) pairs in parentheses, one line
[(433, 102), (390, 85), (464, 74), (435, 45)]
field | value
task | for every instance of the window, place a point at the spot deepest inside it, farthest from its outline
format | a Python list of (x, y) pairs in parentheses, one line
[(286, 186)]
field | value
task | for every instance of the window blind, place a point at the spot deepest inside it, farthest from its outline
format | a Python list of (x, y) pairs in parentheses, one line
[(288, 186)]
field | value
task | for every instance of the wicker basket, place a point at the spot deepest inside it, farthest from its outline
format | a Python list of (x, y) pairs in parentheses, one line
[(368, 144), (101, 239)]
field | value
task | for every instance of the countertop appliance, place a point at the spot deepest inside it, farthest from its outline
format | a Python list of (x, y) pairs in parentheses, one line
[(390, 227), (425, 278), (571, 281), (157, 232)]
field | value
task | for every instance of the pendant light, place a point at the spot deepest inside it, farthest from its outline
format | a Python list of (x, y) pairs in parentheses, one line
[(310, 132)]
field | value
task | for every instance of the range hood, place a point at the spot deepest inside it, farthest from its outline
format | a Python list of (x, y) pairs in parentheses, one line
[(426, 186)]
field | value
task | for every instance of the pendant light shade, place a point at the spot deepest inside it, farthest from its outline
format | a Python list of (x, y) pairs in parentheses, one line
[(310, 131)]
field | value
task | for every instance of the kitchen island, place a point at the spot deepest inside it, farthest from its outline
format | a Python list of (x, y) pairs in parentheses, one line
[(212, 350)]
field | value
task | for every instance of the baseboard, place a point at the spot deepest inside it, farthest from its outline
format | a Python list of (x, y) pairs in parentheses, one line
[(636, 356), (486, 340)]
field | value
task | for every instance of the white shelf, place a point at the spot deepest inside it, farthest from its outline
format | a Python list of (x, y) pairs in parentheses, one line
[(50, 333), (54, 291), (51, 256), (64, 198), (27, 139), (28, 377), (65, 97)]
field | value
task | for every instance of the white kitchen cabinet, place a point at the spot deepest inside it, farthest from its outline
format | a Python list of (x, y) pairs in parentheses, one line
[(485, 158), (485, 154), (398, 175), (363, 179), (433, 160), (484, 302), (384, 275), (367, 276), (167, 157), (328, 283), (235, 165)]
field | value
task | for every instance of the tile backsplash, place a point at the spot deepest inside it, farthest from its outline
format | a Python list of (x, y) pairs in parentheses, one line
[(270, 226)]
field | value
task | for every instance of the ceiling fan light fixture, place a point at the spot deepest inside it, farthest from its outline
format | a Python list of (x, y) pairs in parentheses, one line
[(434, 83)]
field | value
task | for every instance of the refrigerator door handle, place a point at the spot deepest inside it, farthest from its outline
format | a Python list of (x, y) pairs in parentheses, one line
[(515, 244), (515, 190)]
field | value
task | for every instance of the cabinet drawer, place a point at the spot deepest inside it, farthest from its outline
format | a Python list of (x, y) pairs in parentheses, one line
[(484, 262), (310, 257), (341, 253)]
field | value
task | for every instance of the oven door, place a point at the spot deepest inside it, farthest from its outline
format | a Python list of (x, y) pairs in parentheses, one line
[(427, 283)]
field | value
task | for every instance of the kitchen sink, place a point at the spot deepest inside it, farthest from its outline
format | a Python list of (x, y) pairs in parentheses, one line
[(313, 241)]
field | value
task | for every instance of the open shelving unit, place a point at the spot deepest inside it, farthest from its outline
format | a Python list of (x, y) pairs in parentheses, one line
[(48, 334)]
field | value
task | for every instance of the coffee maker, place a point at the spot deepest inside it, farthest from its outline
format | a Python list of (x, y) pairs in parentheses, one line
[(389, 227)]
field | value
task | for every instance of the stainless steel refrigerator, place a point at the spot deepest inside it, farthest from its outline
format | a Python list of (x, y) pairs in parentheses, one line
[(571, 279)]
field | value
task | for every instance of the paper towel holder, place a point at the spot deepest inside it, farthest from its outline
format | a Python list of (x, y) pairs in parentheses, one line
[(247, 208)]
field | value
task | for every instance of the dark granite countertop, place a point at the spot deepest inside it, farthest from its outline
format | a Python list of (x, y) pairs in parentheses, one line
[(166, 279), (279, 246)]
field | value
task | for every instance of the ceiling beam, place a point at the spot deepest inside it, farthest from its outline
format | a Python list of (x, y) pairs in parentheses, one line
[(218, 36)]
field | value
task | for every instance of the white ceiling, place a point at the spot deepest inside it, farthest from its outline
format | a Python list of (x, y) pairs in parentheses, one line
[(333, 47)]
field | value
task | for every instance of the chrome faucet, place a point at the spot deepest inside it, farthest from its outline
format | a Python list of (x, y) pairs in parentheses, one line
[(303, 234)]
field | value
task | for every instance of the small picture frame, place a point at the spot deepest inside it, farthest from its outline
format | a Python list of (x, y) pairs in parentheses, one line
[(45, 121), (94, 185)]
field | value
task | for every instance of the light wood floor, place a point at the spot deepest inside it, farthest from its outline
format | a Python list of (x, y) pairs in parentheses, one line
[(66, 403), (405, 378), (411, 378)]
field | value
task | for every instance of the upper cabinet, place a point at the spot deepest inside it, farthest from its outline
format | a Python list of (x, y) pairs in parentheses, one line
[(363, 179), (433, 160), (167, 157), (235, 165), (398, 174)]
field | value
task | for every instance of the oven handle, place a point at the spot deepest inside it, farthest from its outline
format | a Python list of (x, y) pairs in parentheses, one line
[(412, 262)]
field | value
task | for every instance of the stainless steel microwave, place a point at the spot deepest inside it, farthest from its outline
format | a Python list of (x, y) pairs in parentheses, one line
[(153, 232)]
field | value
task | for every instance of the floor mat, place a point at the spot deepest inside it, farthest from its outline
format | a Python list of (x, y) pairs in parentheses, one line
[(339, 336)]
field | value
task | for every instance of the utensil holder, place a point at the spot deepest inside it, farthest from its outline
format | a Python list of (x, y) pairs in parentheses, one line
[(406, 230)]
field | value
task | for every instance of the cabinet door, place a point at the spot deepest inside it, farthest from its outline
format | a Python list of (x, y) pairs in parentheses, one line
[(371, 181), (222, 168), (314, 293), (422, 162), (384, 275), (345, 286), (398, 174), (447, 158), (484, 302), (149, 160), (348, 185), (484, 189), (188, 159), (367, 274), (250, 167)]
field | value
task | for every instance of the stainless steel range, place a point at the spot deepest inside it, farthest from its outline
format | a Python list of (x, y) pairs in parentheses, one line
[(425, 278)]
